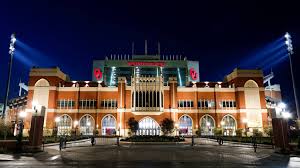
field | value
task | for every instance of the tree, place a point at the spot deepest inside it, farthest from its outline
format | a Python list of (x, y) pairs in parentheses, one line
[(239, 132), (167, 126), (133, 125), (4, 128), (218, 131)]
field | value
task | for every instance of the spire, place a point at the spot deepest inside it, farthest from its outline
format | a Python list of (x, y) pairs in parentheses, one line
[(158, 46), (132, 48), (146, 48)]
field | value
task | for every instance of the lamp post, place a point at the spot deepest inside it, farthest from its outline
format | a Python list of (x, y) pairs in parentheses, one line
[(245, 121), (22, 116), (208, 126), (289, 45), (176, 128), (222, 125), (76, 127), (11, 53), (88, 127), (119, 129), (57, 120)]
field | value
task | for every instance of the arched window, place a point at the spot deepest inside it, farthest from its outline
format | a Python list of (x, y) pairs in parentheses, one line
[(64, 125), (42, 83), (251, 84), (185, 125), (207, 125), (148, 126), (229, 125), (87, 125), (108, 125)]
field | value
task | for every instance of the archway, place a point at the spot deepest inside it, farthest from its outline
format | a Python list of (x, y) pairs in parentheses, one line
[(64, 126), (229, 125), (108, 125), (87, 125), (207, 125), (148, 126), (185, 125)]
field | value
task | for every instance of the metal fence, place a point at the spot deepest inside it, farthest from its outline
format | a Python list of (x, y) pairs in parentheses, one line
[(250, 142)]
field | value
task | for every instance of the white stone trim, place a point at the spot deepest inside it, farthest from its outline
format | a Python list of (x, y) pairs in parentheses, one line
[(50, 87), (243, 89), (147, 113)]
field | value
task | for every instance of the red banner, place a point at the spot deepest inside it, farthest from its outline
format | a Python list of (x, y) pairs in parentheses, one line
[(160, 64)]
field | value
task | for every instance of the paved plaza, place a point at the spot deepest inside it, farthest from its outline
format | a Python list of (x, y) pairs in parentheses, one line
[(107, 154)]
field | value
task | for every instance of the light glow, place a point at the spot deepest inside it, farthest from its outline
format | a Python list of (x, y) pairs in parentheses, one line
[(282, 105), (22, 114), (57, 119), (286, 115)]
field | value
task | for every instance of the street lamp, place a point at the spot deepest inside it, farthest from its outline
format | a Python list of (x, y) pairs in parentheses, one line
[(289, 45), (245, 121), (286, 115), (22, 116), (57, 120), (119, 129), (208, 127), (75, 125), (11, 53), (176, 128), (282, 105)]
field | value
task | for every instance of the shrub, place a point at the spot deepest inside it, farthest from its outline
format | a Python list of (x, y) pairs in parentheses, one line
[(133, 124), (239, 132), (5, 129), (257, 133), (167, 126), (218, 131), (268, 131), (198, 132), (153, 138)]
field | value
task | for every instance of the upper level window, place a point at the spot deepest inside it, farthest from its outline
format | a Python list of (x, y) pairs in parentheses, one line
[(65, 104), (227, 104), (185, 103), (109, 103), (205, 104), (87, 103)]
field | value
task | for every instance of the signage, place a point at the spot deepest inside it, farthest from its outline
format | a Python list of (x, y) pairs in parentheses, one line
[(98, 73), (193, 68), (193, 74), (98, 70), (160, 64)]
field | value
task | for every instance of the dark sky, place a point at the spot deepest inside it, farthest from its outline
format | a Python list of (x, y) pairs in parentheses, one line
[(221, 35)]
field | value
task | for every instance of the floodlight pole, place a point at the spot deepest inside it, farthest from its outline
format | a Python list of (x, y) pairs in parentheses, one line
[(11, 53), (288, 42), (294, 85)]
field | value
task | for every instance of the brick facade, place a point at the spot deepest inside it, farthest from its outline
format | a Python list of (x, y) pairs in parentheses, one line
[(225, 100)]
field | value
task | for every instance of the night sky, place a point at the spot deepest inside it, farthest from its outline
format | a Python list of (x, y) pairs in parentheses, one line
[(220, 35)]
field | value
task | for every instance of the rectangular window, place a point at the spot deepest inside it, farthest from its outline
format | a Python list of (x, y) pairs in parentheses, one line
[(224, 104), (227, 104), (199, 104)]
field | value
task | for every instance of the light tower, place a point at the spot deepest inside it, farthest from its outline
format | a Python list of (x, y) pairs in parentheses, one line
[(11, 53), (288, 42)]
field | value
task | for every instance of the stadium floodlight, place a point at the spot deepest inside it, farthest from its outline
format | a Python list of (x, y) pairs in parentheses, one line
[(288, 42), (11, 53)]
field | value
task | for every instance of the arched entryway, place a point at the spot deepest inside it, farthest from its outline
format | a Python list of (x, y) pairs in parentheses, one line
[(64, 125), (185, 125), (229, 125), (87, 125), (108, 125), (207, 125), (148, 126)]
